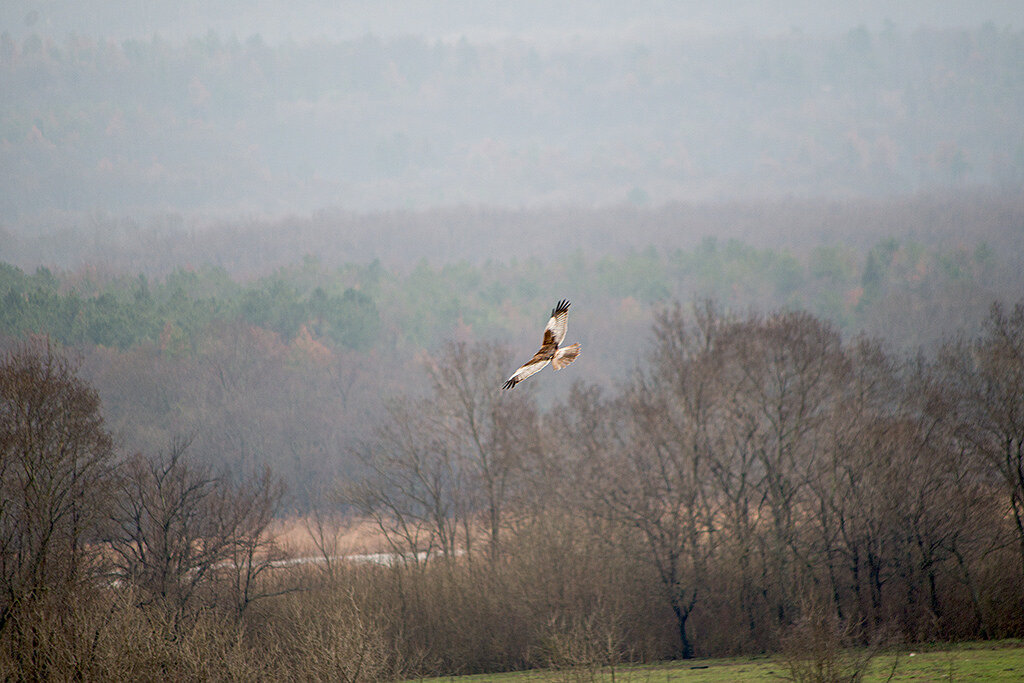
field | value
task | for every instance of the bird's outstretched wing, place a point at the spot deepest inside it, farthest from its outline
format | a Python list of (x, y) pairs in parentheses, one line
[(530, 367), (558, 324)]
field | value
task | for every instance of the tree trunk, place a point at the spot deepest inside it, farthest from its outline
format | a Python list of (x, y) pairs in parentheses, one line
[(685, 646), (682, 613)]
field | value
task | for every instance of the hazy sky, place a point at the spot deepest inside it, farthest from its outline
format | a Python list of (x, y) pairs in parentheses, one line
[(538, 20)]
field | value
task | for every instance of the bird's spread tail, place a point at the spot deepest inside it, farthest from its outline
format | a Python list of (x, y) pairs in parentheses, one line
[(565, 355)]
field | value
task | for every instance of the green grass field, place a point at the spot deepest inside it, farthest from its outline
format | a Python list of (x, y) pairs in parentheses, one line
[(990, 661)]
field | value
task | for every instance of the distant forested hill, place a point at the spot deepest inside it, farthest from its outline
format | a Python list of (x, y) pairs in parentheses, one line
[(226, 124)]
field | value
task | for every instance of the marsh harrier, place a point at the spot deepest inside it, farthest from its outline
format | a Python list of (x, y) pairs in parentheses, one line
[(551, 350)]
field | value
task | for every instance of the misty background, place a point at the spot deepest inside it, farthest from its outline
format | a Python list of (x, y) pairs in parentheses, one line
[(211, 203), (221, 109)]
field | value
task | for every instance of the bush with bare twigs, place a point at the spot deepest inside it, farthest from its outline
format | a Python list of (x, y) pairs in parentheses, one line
[(822, 648)]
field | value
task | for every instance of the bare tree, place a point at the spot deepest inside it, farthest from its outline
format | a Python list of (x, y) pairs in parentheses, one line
[(647, 471), (491, 433), (323, 524), (442, 466), (56, 462), (252, 504), (783, 371), (985, 379), (178, 529), (661, 492), (848, 507), (411, 487), (970, 521)]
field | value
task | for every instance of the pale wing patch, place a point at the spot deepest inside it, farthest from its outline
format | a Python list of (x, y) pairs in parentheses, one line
[(531, 368), (565, 356)]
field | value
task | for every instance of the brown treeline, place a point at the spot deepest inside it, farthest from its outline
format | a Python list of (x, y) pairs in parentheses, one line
[(755, 471)]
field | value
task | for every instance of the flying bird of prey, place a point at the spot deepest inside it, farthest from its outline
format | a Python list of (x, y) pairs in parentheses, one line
[(551, 350)]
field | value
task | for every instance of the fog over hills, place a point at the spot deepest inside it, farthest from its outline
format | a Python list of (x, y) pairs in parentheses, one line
[(239, 109)]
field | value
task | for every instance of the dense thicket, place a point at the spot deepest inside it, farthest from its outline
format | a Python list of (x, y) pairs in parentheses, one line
[(757, 471)]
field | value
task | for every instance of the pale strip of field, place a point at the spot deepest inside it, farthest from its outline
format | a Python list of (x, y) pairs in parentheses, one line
[(339, 539), (345, 536)]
